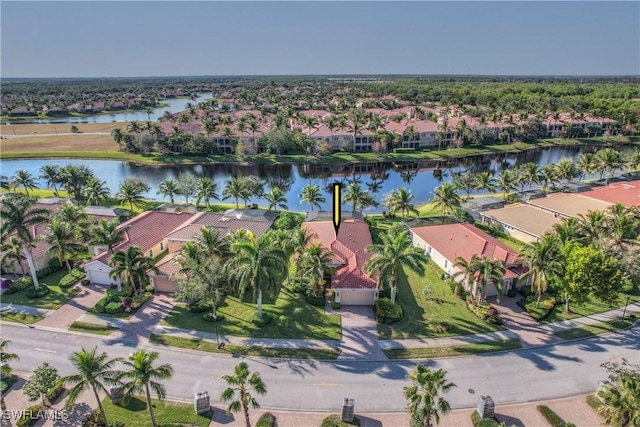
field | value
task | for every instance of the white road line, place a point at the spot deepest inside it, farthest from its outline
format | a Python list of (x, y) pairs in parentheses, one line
[(45, 350)]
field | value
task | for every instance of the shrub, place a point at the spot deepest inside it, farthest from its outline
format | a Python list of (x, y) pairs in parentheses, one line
[(336, 421), (198, 307), (114, 308), (55, 393), (261, 322), (525, 291), (335, 305), (150, 289), (71, 278), (387, 311), (317, 300), (547, 304), (127, 291), (101, 304), (477, 421), (266, 420), (19, 285), (551, 417), (288, 221), (55, 264), (34, 293), (511, 293), (208, 317), (26, 419), (404, 150), (42, 273), (85, 282)]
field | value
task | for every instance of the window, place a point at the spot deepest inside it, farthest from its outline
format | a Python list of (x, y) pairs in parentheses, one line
[(446, 264), (161, 246), (150, 252)]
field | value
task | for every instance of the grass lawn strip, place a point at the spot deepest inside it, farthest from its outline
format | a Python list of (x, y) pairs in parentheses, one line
[(292, 317), (458, 350), (92, 328), (587, 309), (56, 297), (27, 319), (211, 347), (136, 414), (594, 329)]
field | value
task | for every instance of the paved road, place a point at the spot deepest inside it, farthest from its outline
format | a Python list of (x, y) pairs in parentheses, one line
[(511, 377)]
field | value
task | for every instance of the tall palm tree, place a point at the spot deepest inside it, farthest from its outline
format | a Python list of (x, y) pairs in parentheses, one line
[(276, 198), (608, 160), (485, 181), (569, 230), (130, 193), (401, 200), (446, 197), (425, 395), (25, 179), (531, 173), (74, 178), (593, 225), (19, 216), (586, 164), (566, 169), (621, 401), (214, 243), (506, 182), (141, 376), (206, 190), (316, 262), (394, 254), (96, 191), (168, 188), (94, 371), (311, 195), (358, 198), (118, 137), (235, 188), (296, 242), (11, 253), (258, 265), (134, 127), (107, 233), (5, 358), (131, 267), (62, 239), (51, 174), (239, 393), (543, 260), (548, 176)]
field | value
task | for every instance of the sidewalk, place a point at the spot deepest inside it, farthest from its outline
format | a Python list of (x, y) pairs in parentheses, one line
[(448, 341)]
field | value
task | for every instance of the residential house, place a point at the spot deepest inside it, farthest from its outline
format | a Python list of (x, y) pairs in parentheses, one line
[(350, 283), (445, 243), (627, 193), (569, 205), (22, 112)]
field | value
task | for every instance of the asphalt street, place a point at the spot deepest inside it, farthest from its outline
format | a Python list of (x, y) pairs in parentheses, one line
[(511, 377)]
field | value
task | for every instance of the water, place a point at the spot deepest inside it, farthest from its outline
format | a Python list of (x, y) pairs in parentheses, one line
[(175, 105), (420, 177)]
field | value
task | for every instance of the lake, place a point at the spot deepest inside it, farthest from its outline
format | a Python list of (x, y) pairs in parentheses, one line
[(420, 177)]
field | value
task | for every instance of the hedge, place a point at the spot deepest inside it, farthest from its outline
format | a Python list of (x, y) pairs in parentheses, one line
[(336, 421), (315, 300), (114, 308), (477, 421), (552, 418), (547, 303), (266, 420), (71, 278), (101, 304), (19, 285)]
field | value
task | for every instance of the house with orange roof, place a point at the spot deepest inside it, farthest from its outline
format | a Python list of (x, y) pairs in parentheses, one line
[(351, 284), (445, 243), (627, 193)]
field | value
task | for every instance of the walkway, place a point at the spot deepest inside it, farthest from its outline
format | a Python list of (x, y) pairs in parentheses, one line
[(359, 335), (64, 316), (522, 325)]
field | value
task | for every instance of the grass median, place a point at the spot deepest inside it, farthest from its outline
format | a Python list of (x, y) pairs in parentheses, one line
[(136, 413), (595, 329), (92, 328), (27, 319), (457, 350)]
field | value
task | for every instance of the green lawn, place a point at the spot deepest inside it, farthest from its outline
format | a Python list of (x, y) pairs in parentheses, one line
[(587, 309), (515, 245), (92, 328), (292, 317), (136, 414), (56, 297), (211, 347), (27, 319), (458, 350), (595, 329), (439, 307)]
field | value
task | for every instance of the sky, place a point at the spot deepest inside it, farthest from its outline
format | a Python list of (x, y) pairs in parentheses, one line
[(162, 38)]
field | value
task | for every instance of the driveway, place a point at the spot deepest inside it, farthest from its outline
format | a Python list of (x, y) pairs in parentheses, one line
[(64, 316), (360, 339)]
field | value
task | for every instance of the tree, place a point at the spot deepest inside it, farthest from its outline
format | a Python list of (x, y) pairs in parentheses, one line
[(141, 376), (42, 380), (235, 188), (358, 198), (131, 190), (586, 164), (400, 200), (74, 178), (506, 182), (206, 190), (312, 196), (621, 399), (607, 159), (11, 253), (530, 173), (548, 176), (316, 262), (425, 395), (168, 188), (118, 137), (96, 191), (205, 279), (25, 179), (94, 371), (485, 181), (51, 174), (62, 239), (258, 265), (566, 169), (134, 127), (445, 196), (187, 185), (394, 254), (107, 233), (276, 198), (131, 267), (543, 260), (239, 390), (5, 358), (19, 216)]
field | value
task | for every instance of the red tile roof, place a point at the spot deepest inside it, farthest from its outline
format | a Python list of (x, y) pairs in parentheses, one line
[(627, 193), (348, 249)]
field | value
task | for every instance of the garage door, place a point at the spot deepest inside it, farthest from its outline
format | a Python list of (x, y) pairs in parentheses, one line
[(356, 297), (165, 285), (100, 277)]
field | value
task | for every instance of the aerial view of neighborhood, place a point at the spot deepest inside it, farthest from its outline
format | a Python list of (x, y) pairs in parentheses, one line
[(320, 214)]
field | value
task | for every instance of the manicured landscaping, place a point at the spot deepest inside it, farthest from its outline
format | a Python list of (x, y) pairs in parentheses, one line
[(56, 297), (336, 421), (431, 309), (587, 309), (92, 328), (552, 418), (458, 350), (212, 347), (27, 319), (595, 329), (7, 382), (136, 414), (293, 317)]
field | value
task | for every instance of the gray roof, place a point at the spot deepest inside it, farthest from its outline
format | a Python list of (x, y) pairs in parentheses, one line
[(226, 224), (328, 216), (251, 214)]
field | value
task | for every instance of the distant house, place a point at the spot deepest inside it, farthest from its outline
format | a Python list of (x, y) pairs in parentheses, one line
[(118, 105), (570, 205), (351, 284), (627, 193), (524, 222), (23, 111), (56, 111), (445, 243)]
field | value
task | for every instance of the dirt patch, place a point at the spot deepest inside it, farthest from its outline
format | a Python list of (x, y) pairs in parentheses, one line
[(76, 142), (31, 129)]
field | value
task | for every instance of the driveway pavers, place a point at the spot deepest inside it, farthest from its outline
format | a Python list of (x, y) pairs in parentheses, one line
[(68, 313), (360, 339)]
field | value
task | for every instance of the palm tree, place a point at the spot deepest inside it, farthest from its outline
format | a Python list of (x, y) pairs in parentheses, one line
[(620, 401), (62, 239), (51, 174), (548, 176), (276, 198), (93, 372), (257, 264), (569, 230), (130, 193), (311, 194), (593, 225), (531, 173), (425, 395), (586, 164), (19, 216), (206, 190), (140, 375), (608, 159), (96, 191), (621, 225), (506, 182), (214, 243), (543, 260), (118, 137), (400, 200), (235, 188), (5, 358), (316, 262), (168, 188), (445, 196), (241, 384), (11, 253), (485, 181), (25, 179), (391, 256), (107, 233), (296, 242), (134, 127), (358, 198), (566, 169), (131, 267)]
